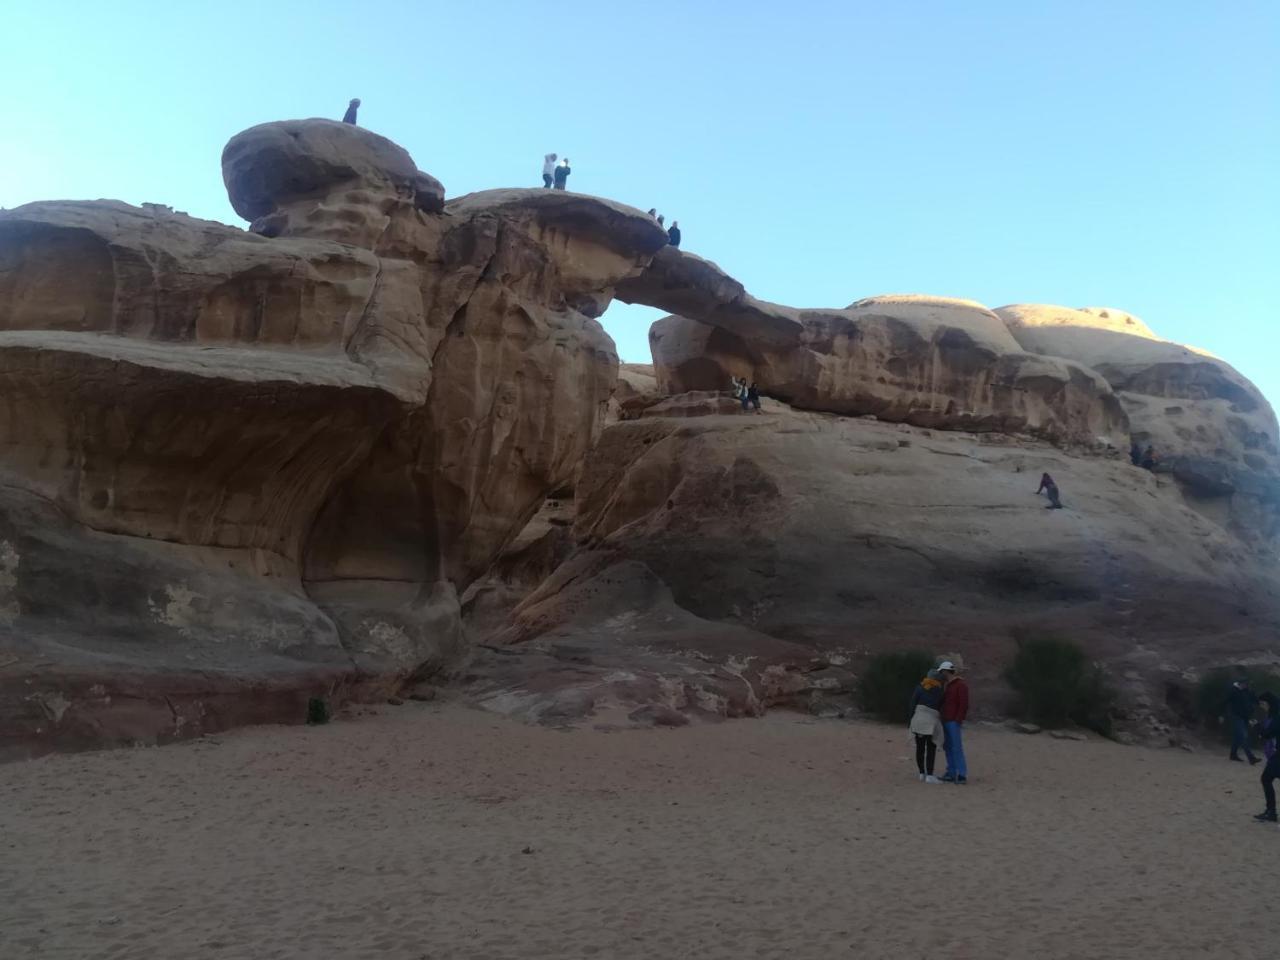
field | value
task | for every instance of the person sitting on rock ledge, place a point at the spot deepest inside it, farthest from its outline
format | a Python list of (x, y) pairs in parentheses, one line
[(1047, 486), (548, 170), (350, 115), (753, 395), (562, 173), (673, 235)]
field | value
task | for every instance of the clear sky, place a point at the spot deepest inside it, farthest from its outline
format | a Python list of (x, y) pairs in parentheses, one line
[(1116, 153)]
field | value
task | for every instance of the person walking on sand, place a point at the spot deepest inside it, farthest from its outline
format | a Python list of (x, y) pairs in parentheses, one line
[(1240, 706), (350, 115), (562, 173), (1048, 487), (1269, 732), (548, 170), (673, 235), (753, 395), (926, 724), (955, 708)]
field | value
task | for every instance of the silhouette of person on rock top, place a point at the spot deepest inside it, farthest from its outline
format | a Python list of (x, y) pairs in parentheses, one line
[(673, 235), (562, 173), (350, 115)]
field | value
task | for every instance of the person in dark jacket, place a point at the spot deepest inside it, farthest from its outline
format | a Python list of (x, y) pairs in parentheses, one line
[(955, 708), (753, 395), (562, 173), (1239, 710), (926, 724), (1149, 459), (1048, 487), (673, 235), (1135, 454), (1269, 732), (350, 115)]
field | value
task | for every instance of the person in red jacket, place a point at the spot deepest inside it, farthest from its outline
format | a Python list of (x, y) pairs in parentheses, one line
[(955, 707)]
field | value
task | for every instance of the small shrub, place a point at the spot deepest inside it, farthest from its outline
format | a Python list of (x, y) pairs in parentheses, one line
[(317, 711), (1211, 693), (1056, 684), (884, 688)]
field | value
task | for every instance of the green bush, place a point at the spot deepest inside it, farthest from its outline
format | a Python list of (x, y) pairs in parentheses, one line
[(884, 688), (1057, 684), (317, 711), (1211, 692)]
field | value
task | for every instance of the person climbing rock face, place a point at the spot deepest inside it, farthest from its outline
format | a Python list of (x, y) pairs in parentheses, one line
[(352, 107), (548, 170), (673, 235), (562, 173), (1050, 489)]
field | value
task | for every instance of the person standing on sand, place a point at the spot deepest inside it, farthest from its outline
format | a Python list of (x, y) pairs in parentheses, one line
[(1048, 487), (1269, 732), (548, 170), (926, 724), (350, 115), (1240, 705), (562, 173), (955, 708)]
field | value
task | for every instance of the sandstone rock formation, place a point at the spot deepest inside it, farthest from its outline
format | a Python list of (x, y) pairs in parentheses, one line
[(246, 468), (382, 436), (784, 549), (1211, 428), (929, 361)]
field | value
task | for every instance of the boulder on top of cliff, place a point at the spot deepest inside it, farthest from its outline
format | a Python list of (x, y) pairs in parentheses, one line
[(272, 164), (324, 179)]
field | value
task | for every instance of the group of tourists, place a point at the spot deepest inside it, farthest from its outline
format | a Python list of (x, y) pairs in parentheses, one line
[(555, 174), (1240, 710), (939, 705), (748, 396), (673, 235)]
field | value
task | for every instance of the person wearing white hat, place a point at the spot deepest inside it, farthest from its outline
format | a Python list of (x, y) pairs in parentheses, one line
[(955, 708)]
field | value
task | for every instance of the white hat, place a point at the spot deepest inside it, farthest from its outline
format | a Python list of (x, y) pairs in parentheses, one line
[(947, 665)]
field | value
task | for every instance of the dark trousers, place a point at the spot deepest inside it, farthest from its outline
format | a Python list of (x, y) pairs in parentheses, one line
[(1270, 773), (1240, 737), (559, 184), (926, 754), (546, 180)]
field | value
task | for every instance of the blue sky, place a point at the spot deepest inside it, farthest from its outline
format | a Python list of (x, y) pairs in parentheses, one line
[(1111, 153)]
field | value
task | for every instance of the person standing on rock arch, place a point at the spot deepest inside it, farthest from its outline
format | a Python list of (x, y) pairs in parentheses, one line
[(350, 115), (562, 172), (548, 170), (673, 235)]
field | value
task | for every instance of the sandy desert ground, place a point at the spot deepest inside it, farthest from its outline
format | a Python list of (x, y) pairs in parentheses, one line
[(438, 831)]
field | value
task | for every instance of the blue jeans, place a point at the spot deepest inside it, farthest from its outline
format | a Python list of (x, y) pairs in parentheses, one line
[(1240, 737), (953, 746)]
